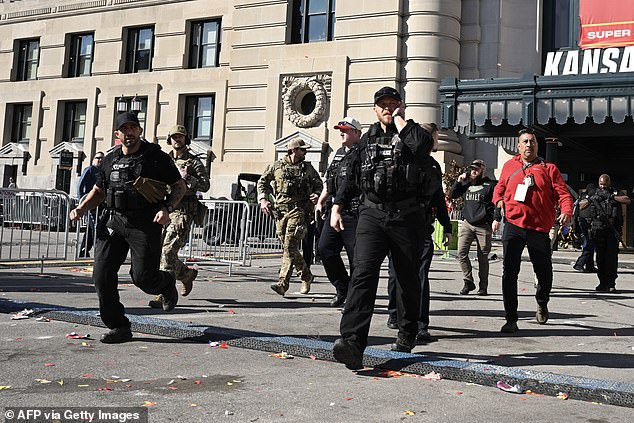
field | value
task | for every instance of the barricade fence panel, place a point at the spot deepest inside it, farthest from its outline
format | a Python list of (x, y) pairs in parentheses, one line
[(232, 232), (35, 224)]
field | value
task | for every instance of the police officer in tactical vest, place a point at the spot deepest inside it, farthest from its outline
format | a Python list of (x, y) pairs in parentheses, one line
[(394, 171), (133, 181), (605, 230), (332, 242)]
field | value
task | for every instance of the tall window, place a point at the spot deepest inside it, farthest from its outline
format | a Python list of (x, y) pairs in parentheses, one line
[(80, 55), (561, 25), (28, 59), (204, 48), (21, 126), (199, 117), (74, 121), (312, 20), (139, 49)]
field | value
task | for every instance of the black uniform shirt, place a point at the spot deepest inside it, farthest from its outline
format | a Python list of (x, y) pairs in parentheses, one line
[(418, 144), (156, 165)]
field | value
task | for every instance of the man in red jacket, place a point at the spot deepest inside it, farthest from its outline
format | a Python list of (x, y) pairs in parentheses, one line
[(528, 192)]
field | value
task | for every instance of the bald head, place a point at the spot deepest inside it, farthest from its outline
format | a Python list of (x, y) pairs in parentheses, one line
[(604, 181)]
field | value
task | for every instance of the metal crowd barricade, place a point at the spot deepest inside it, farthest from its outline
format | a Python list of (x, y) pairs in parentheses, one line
[(35, 224), (232, 232)]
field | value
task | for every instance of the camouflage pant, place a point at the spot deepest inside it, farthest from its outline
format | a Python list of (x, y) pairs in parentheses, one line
[(291, 229), (173, 240)]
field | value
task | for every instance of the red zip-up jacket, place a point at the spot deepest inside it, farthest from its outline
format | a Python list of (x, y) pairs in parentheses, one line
[(537, 212)]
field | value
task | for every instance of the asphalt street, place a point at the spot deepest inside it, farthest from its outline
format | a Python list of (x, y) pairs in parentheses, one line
[(589, 337)]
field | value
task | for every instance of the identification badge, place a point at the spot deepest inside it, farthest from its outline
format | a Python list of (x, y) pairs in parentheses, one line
[(520, 193), (529, 181)]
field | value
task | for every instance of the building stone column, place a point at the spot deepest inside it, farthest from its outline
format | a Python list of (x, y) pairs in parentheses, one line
[(430, 51)]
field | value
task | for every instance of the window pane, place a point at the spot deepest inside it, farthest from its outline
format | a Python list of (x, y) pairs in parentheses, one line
[(562, 23), (204, 128), (145, 39), (209, 56), (84, 66), (143, 60), (210, 32), (204, 106), (34, 48), (317, 6), (317, 26), (86, 45)]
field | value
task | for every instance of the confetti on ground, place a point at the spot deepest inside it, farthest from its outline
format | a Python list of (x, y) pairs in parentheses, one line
[(432, 376), (409, 413), (312, 357), (232, 311), (193, 405), (149, 404), (49, 364), (3, 387), (348, 399), (198, 382), (562, 396), (87, 375), (515, 389), (43, 381), (171, 382), (216, 344), (86, 344), (228, 413), (61, 382), (283, 355), (42, 319), (74, 335)]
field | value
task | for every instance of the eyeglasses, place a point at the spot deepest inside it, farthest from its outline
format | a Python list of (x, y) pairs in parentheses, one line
[(98, 157)]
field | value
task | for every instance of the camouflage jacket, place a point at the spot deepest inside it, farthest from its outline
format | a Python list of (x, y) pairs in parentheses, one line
[(196, 180), (291, 183)]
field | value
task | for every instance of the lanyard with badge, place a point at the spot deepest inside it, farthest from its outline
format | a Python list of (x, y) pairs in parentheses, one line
[(522, 189)]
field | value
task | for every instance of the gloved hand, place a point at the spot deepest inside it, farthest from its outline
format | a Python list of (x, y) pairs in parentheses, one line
[(152, 190)]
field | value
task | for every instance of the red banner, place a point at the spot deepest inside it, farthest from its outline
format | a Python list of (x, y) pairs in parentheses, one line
[(606, 23)]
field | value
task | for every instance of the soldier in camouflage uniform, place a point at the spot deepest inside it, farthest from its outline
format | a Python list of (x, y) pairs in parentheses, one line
[(297, 187), (176, 234)]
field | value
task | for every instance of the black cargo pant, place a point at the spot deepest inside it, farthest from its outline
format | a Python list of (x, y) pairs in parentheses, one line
[(514, 239), (380, 232), (426, 251), (331, 243), (606, 246), (115, 236)]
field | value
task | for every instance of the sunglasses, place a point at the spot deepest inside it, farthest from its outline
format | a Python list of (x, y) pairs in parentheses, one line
[(99, 158)]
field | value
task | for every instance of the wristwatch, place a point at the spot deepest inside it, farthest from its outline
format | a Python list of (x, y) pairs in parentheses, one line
[(168, 207)]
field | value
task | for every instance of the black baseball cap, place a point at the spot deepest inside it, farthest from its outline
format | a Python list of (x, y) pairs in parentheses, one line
[(386, 92), (126, 117)]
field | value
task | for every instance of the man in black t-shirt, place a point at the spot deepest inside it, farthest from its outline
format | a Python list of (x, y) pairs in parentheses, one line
[(133, 181), (478, 211)]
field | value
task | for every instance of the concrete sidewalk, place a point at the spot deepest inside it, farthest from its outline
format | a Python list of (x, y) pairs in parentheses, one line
[(585, 350)]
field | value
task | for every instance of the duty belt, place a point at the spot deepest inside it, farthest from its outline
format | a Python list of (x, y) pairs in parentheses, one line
[(403, 207)]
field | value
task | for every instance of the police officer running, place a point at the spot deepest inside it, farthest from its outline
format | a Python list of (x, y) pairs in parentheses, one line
[(605, 231), (176, 233), (332, 242), (133, 180), (393, 169), (297, 188)]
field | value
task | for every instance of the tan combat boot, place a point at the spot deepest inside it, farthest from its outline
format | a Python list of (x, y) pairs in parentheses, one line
[(156, 302), (188, 281), (305, 289)]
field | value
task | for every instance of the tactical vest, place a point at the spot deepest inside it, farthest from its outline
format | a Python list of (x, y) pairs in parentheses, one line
[(605, 211), (120, 194), (390, 173), (294, 182), (333, 171)]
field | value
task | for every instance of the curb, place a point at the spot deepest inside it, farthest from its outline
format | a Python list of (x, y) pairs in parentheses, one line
[(578, 388)]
